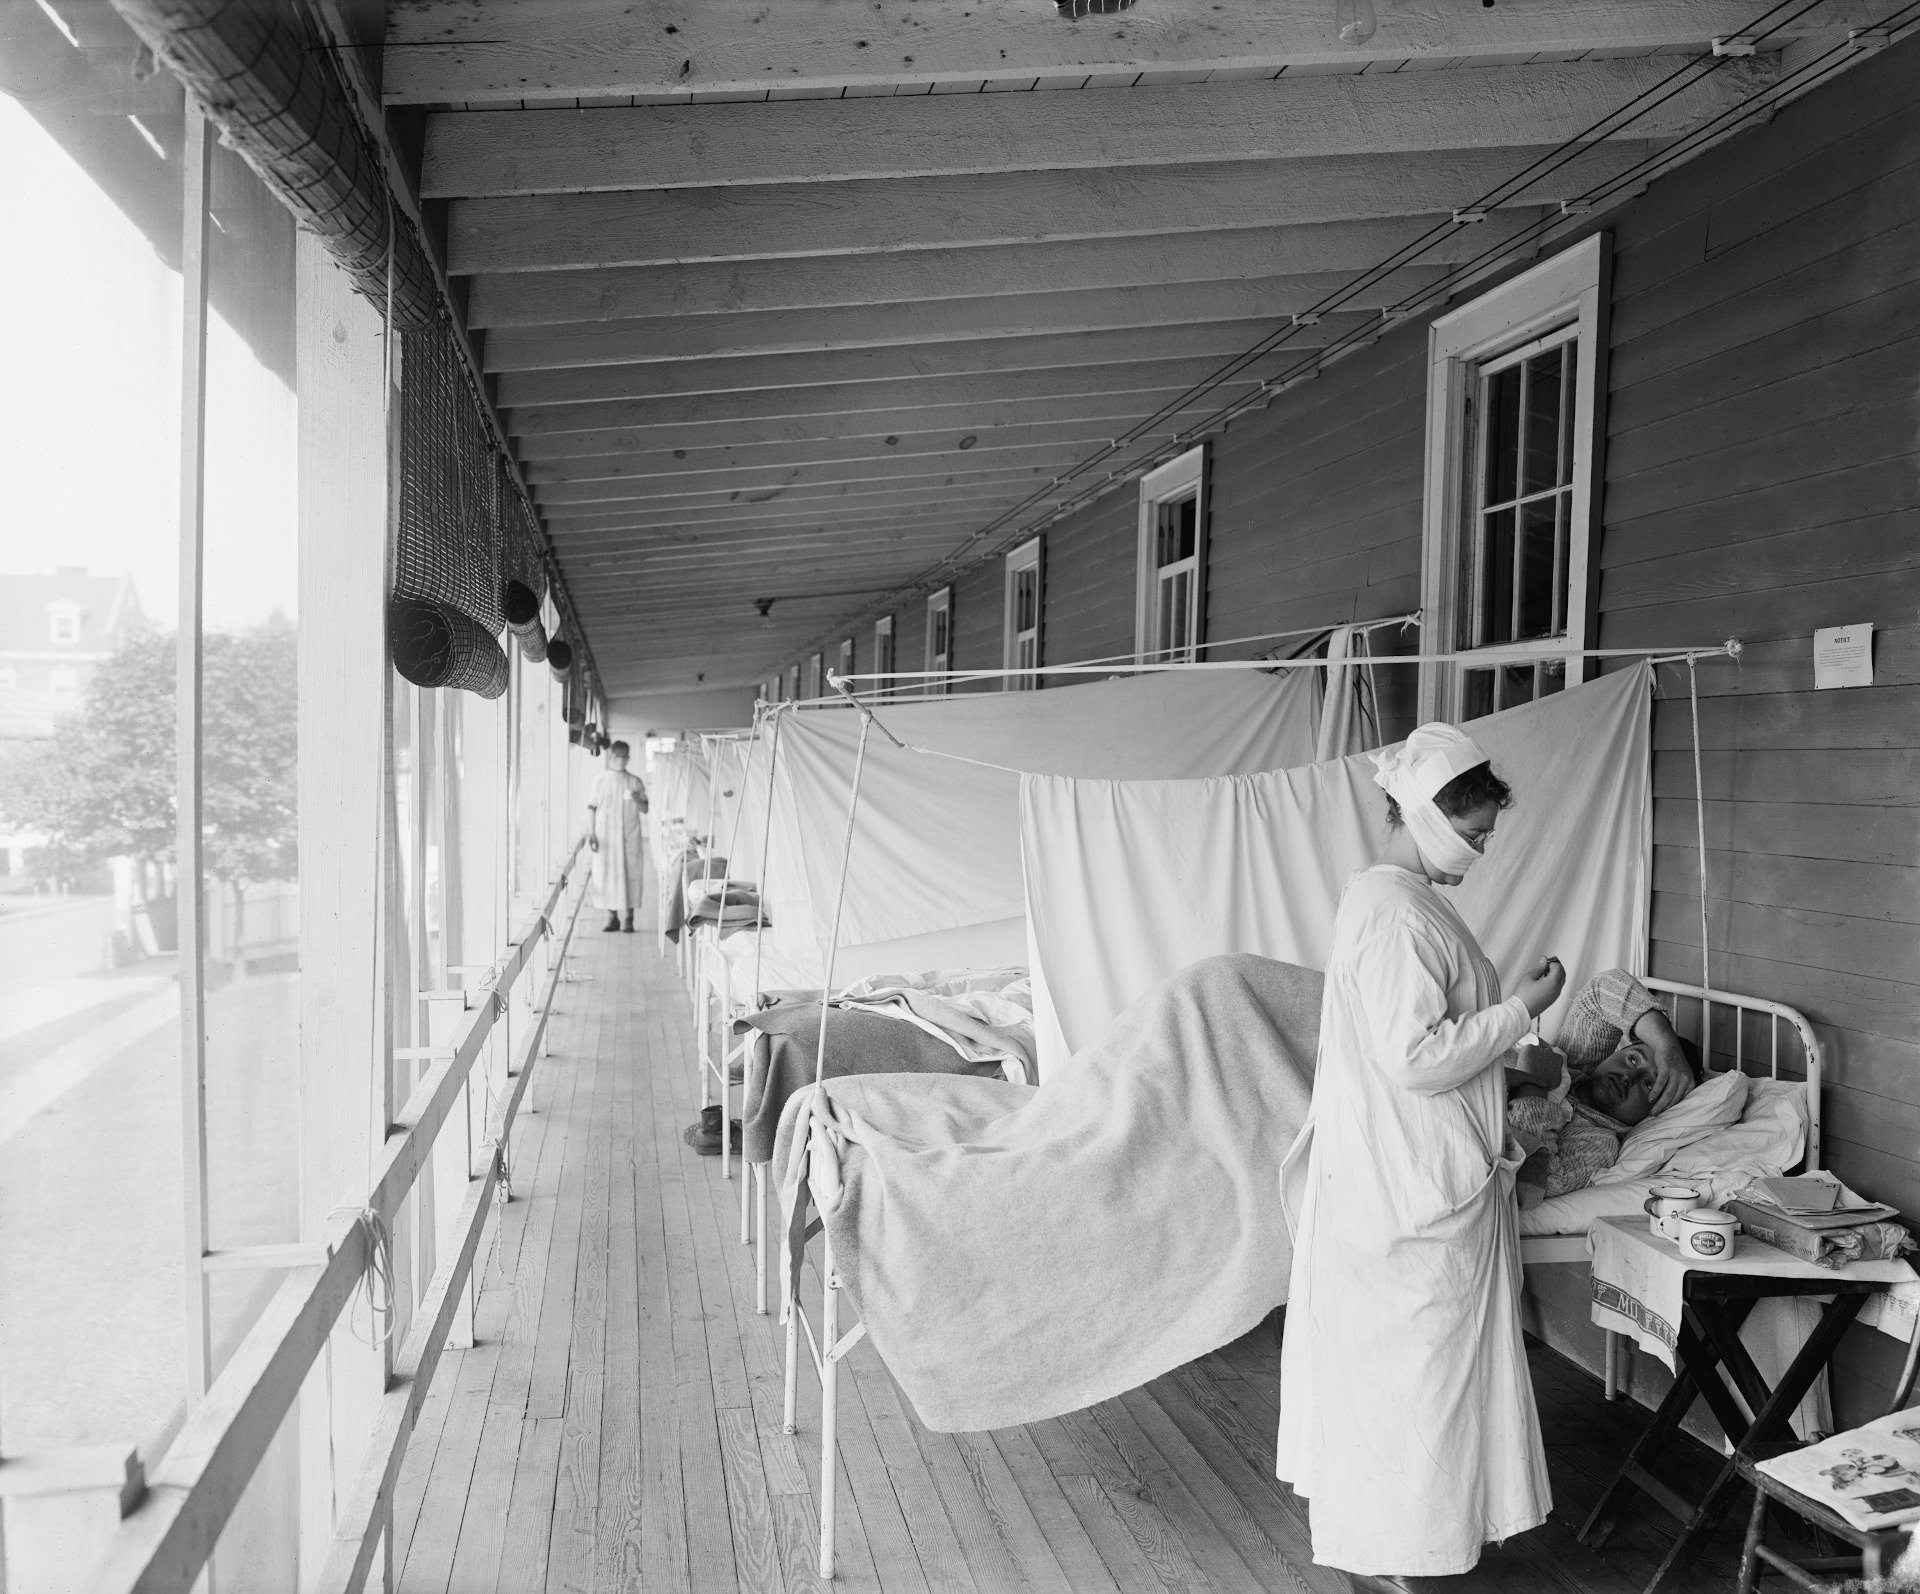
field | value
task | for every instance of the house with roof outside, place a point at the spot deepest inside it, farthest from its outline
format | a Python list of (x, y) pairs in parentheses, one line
[(55, 631)]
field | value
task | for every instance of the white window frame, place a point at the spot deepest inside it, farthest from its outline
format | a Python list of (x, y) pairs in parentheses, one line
[(938, 664), (792, 679), (1570, 290), (1020, 650), (816, 676), (1179, 477), (63, 623), (843, 664), (884, 661)]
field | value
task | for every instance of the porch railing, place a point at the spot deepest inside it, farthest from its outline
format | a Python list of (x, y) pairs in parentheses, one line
[(172, 1528)]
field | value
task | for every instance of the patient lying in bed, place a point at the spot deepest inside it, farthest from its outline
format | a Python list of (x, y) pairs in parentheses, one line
[(1619, 1063)]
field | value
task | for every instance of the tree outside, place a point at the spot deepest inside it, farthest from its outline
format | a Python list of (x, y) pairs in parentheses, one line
[(103, 787)]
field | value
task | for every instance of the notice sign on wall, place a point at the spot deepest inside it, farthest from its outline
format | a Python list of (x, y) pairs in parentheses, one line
[(1843, 656)]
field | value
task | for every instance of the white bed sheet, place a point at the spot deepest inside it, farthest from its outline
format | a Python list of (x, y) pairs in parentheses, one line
[(1769, 1139)]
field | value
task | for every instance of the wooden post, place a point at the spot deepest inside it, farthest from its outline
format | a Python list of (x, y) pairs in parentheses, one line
[(345, 1105), (189, 904)]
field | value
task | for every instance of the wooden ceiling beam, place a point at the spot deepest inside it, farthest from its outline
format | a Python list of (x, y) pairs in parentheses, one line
[(510, 51), (791, 483), (562, 232), (654, 338), (493, 153), (918, 451), (780, 415), (820, 281), (907, 367), (1125, 390), (976, 503)]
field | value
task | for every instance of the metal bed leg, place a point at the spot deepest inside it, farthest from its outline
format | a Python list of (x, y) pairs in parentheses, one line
[(788, 1422), (829, 1406), (1613, 1364), (747, 1171), (760, 1257)]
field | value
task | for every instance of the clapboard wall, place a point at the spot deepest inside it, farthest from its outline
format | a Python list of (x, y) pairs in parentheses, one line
[(1763, 480)]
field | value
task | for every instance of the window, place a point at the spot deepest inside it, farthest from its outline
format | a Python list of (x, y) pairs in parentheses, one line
[(939, 638), (1172, 560), (793, 683), (883, 653), (1020, 649), (815, 665), (1513, 399), (63, 622), (845, 666), (63, 680)]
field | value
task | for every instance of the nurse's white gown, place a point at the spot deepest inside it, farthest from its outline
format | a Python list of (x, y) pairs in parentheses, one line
[(1406, 1413), (617, 867)]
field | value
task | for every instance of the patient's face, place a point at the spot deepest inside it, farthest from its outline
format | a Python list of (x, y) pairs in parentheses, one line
[(1622, 1086)]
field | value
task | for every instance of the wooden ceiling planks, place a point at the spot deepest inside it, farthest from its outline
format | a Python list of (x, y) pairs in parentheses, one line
[(793, 304), (492, 51)]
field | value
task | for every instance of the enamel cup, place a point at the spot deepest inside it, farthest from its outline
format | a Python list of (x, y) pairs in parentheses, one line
[(1706, 1233), (1665, 1205)]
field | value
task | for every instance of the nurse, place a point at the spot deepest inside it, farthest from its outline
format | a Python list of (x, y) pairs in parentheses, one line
[(614, 833), (1406, 1414)]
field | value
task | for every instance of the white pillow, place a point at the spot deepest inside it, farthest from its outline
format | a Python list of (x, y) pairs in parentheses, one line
[(1772, 1133), (1650, 1146)]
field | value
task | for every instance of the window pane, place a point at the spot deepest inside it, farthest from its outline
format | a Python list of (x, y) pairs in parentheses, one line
[(1176, 521), (1570, 371), (1496, 578), (1539, 592), (1544, 395), (1553, 677), (1516, 685), (92, 1320), (1477, 697), (1501, 424)]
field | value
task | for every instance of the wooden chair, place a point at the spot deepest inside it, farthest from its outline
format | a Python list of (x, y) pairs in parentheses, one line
[(1874, 1552)]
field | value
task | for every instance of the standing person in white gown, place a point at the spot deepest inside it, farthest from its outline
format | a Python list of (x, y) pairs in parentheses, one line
[(1406, 1412), (614, 807)]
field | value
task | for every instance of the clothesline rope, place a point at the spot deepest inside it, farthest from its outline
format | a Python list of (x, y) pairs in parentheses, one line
[(1479, 660), (1730, 649)]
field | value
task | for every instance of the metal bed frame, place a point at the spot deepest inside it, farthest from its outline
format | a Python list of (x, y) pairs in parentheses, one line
[(828, 1346)]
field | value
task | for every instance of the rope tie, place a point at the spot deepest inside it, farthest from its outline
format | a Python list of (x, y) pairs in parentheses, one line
[(376, 1284)]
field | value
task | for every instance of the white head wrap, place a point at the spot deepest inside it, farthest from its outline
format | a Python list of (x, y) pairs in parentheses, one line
[(1412, 772)]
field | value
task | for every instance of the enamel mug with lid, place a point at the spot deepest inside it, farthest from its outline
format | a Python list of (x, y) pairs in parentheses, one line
[(1707, 1233), (1664, 1206)]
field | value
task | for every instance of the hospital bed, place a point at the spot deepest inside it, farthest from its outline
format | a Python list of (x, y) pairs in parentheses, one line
[(1730, 1028), (1723, 1024)]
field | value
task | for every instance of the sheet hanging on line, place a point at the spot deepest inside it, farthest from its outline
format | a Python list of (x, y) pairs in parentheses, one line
[(1017, 1253), (1128, 880), (937, 841)]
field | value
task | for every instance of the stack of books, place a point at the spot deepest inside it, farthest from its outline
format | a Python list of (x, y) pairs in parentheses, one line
[(1818, 1219)]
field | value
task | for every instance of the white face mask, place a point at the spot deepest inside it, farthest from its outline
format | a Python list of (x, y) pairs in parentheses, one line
[(1442, 848), (1411, 773)]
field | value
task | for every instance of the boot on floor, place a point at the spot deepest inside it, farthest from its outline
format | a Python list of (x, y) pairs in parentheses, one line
[(629, 924), (613, 922), (704, 1136)]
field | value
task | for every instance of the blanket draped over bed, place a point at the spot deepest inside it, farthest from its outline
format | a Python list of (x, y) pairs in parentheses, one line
[(857, 1043), (1018, 1252)]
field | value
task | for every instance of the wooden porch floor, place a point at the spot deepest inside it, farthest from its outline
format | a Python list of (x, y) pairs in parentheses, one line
[(618, 1424)]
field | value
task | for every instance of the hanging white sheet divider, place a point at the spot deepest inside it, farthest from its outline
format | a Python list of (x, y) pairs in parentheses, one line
[(936, 880), (1128, 881)]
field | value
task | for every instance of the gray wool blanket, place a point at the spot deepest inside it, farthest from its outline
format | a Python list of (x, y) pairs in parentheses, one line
[(1020, 1252), (781, 1059)]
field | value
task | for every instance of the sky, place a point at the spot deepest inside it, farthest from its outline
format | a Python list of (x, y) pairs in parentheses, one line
[(89, 409)]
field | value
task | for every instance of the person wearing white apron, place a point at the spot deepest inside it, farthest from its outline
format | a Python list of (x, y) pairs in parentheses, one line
[(1407, 1416), (614, 807)]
